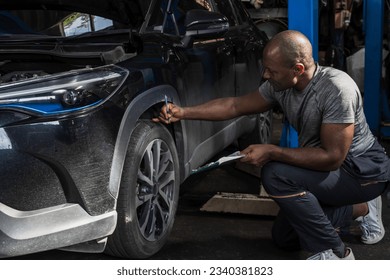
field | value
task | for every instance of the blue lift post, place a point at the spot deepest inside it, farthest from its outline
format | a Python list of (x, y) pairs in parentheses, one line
[(373, 91), (302, 16)]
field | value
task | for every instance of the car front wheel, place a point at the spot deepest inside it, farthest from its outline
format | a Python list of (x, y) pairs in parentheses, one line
[(148, 194)]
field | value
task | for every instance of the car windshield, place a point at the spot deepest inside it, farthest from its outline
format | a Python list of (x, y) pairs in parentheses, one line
[(50, 23)]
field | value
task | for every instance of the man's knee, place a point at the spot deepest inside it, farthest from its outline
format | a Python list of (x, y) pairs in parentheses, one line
[(271, 176), (269, 172)]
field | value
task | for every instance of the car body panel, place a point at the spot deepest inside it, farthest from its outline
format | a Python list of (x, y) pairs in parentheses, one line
[(50, 228)]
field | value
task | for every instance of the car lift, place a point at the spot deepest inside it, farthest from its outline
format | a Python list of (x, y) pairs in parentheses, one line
[(303, 16), (374, 95)]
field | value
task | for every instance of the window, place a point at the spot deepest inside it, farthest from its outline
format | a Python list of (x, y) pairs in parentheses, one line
[(50, 22), (78, 23), (187, 5)]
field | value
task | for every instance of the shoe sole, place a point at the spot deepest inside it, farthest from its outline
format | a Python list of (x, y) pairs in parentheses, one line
[(375, 240), (382, 230)]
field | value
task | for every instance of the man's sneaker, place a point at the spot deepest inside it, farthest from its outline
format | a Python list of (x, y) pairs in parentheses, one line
[(329, 255), (371, 224)]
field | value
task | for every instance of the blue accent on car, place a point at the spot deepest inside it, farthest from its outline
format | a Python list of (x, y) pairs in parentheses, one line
[(48, 109)]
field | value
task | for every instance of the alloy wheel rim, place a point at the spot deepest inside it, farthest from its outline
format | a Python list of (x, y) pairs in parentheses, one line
[(155, 190)]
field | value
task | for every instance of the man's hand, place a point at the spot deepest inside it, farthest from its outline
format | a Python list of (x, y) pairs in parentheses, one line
[(170, 113), (336, 140), (258, 154)]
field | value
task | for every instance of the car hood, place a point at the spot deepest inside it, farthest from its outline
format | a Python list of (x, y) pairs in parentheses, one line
[(130, 12)]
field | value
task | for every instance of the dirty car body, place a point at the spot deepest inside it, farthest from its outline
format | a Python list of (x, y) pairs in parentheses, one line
[(82, 166)]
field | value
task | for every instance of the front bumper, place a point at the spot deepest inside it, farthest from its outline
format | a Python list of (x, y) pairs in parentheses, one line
[(26, 232)]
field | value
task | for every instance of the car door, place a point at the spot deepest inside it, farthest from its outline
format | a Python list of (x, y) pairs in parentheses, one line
[(201, 70), (247, 42), (206, 72)]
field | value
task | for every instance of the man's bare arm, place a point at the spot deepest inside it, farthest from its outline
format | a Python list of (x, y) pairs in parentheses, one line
[(335, 142), (217, 109)]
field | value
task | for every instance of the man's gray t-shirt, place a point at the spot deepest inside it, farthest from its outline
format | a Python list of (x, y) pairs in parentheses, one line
[(330, 97)]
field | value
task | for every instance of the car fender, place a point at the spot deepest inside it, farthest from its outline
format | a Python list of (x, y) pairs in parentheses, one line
[(133, 113)]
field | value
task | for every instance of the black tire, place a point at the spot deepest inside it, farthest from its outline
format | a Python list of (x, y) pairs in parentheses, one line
[(148, 193), (262, 134)]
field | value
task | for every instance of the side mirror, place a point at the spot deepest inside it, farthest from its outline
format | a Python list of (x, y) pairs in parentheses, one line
[(202, 24)]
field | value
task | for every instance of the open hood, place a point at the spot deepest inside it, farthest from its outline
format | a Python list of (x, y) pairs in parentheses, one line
[(130, 12)]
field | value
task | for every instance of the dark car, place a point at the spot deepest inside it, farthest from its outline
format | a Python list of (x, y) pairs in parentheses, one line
[(83, 167)]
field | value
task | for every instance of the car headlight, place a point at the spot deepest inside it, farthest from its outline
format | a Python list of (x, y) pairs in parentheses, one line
[(64, 92)]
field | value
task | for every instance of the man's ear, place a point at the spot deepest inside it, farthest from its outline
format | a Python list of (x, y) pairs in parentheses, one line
[(299, 68)]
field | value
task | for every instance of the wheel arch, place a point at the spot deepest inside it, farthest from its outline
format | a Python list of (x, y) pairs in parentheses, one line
[(136, 109)]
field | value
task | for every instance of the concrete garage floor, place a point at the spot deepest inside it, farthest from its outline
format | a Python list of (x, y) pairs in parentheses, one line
[(199, 234)]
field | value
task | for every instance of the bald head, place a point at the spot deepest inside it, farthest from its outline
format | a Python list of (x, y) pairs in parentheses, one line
[(293, 47)]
